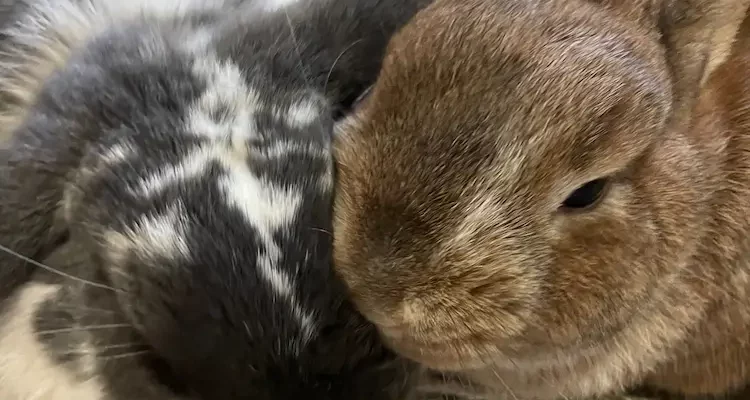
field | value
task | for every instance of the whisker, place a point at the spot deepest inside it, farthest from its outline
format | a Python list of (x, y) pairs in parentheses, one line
[(121, 356), (470, 387), (96, 350), (54, 271), (83, 328), (330, 70), (120, 346), (76, 307), (305, 72), (321, 230), (502, 382), (66, 320), (247, 328)]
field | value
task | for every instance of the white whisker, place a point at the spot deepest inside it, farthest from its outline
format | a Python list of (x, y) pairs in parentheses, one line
[(83, 328), (76, 307), (54, 271), (330, 70), (126, 355), (305, 73), (96, 350)]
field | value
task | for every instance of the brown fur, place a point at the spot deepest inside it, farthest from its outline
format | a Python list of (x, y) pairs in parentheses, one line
[(487, 114)]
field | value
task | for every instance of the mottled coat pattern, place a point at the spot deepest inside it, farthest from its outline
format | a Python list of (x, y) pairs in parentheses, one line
[(171, 163)]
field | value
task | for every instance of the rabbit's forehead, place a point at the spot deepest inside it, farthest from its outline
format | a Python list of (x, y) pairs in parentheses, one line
[(573, 97), (491, 106)]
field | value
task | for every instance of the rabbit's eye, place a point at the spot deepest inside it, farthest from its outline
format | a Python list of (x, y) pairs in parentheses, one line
[(587, 195)]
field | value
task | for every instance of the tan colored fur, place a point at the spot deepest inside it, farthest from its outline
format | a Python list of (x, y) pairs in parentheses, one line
[(485, 117), (724, 39)]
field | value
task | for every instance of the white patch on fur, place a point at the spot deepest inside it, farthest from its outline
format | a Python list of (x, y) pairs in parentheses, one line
[(281, 282), (117, 154), (280, 148), (190, 167), (88, 363), (273, 5), (224, 115), (268, 209), (325, 182), (303, 113), (284, 288), (226, 93), (151, 237), (199, 41), (26, 370)]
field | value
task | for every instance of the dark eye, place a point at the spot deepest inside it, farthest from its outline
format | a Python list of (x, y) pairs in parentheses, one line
[(587, 195)]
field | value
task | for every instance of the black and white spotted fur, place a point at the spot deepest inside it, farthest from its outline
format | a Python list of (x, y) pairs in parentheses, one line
[(171, 161)]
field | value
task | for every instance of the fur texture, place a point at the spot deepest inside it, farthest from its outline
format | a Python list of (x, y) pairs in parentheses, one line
[(172, 160), (449, 225)]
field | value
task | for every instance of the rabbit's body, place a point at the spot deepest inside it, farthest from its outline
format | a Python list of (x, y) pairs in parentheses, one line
[(533, 203), (172, 160), (715, 351)]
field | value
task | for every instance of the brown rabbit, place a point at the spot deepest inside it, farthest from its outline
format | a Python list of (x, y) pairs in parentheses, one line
[(534, 199)]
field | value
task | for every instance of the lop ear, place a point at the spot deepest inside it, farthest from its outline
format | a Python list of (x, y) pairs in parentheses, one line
[(697, 35), (727, 33)]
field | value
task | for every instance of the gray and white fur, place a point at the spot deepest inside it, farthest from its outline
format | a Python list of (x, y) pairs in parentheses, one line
[(170, 161)]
